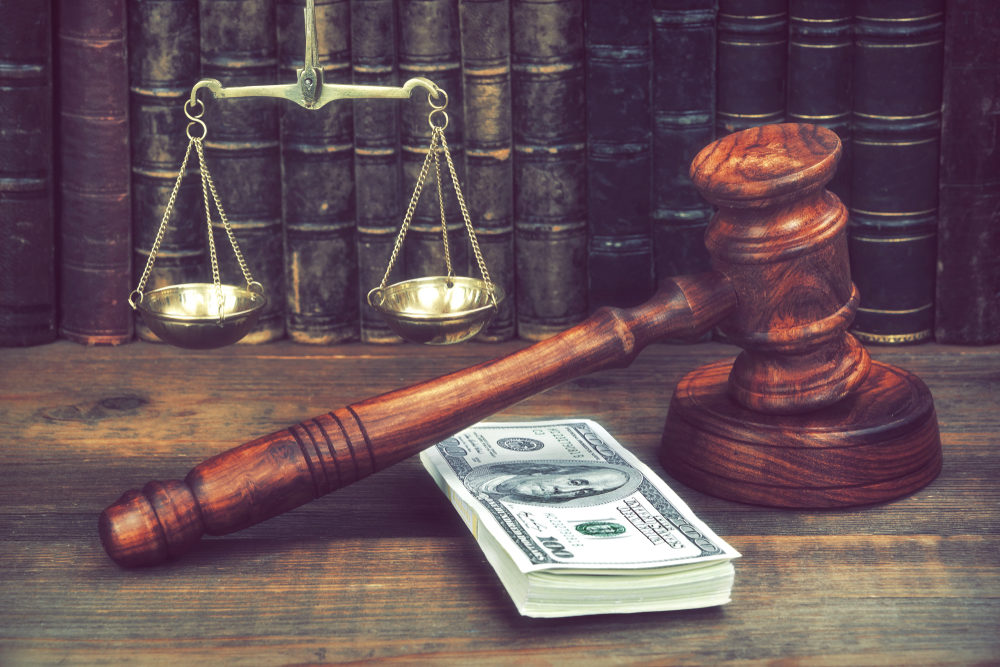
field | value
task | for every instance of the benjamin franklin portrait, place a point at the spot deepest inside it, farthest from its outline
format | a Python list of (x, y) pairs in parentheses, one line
[(562, 483)]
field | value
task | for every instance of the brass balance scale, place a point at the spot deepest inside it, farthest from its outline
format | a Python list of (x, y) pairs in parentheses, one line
[(434, 310)]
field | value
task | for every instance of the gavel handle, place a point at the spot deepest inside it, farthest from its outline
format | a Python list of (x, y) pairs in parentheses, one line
[(278, 472)]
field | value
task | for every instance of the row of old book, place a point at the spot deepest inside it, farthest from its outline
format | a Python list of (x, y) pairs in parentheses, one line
[(572, 122)]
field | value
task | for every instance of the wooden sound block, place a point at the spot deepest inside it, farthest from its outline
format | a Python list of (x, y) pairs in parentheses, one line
[(879, 443)]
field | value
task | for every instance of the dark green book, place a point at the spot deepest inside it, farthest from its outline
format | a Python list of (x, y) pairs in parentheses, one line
[(683, 97), (238, 47), (317, 183), (27, 267), (820, 59), (892, 234), (164, 64), (619, 152), (489, 164), (550, 165), (751, 63), (377, 174)]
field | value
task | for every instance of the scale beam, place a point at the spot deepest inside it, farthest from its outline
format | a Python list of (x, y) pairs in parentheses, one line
[(301, 94), (310, 91)]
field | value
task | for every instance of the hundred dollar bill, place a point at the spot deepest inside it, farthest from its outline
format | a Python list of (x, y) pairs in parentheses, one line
[(573, 523)]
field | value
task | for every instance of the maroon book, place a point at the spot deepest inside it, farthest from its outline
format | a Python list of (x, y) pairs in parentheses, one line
[(968, 266), (93, 204), (27, 253)]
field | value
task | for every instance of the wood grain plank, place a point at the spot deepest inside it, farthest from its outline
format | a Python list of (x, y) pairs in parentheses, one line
[(384, 570)]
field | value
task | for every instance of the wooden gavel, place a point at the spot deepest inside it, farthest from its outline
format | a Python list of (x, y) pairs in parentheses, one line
[(781, 289)]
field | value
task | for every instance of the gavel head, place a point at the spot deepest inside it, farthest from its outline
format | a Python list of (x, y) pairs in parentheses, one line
[(780, 237)]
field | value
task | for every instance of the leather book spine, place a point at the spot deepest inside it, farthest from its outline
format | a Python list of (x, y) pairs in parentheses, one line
[(377, 174), (898, 65), (242, 148), (548, 100), (619, 152), (163, 47), (317, 155), (820, 57), (429, 47), (489, 164), (93, 206), (751, 63), (27, 199), (684, 87), (968, 266)]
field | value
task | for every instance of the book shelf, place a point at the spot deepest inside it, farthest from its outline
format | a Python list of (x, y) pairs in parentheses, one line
[(573, 123)]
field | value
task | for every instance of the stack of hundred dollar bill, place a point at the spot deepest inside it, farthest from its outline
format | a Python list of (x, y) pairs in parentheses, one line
[(574, 524)]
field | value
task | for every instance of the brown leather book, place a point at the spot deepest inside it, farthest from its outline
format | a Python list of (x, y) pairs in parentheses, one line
[(317, 156), (429, 47), (550, 165), (94, 205), (489, 165), (377, 174), (242, 148), (163, 66)]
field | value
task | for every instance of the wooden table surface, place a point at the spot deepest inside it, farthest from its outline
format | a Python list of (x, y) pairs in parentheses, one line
[(384, 570)]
